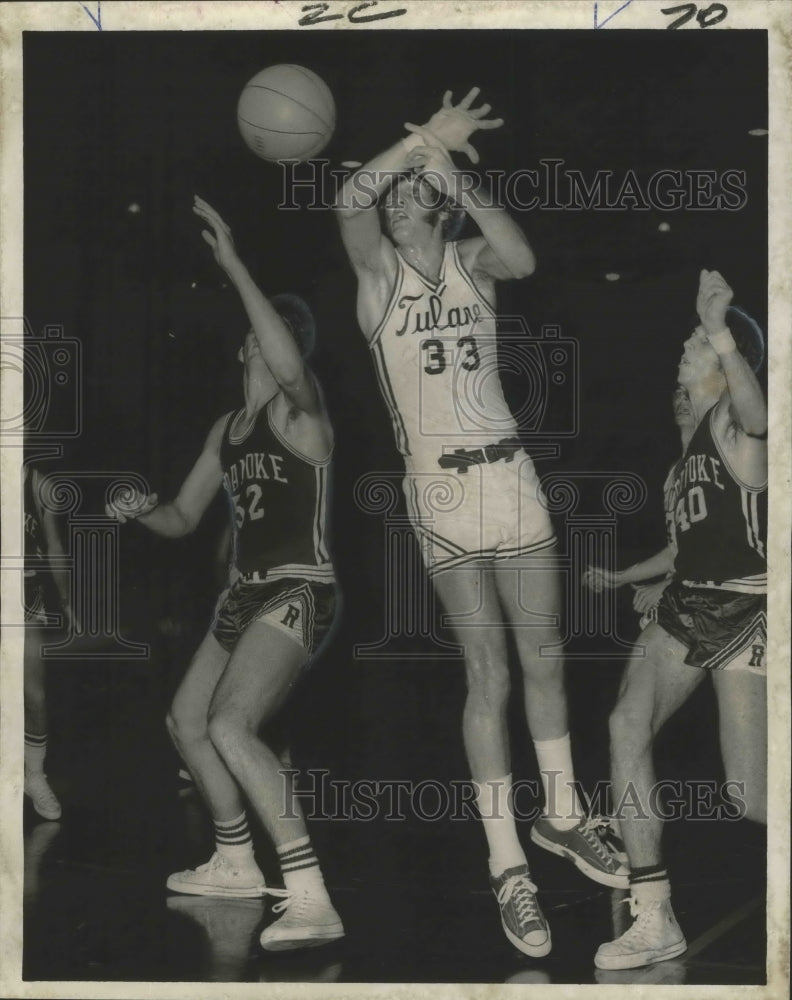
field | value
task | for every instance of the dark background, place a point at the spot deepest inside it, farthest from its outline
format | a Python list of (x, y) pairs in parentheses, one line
[(149, 118)]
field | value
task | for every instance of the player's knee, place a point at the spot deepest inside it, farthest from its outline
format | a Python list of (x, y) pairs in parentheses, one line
[(227, 730), (487, 676), (630, 730), (184, 729)]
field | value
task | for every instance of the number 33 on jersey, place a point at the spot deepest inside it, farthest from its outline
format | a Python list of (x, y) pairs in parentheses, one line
[(435, 355)]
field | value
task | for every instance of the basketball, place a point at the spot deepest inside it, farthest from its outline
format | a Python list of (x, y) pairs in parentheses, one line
[(286, 112)]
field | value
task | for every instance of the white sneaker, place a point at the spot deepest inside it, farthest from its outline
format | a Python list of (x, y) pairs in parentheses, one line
[(654, 937), (308, 920), (42, 797), (219, 877)]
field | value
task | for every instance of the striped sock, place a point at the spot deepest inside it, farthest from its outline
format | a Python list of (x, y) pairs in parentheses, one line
[(35, 752), (233, 840), (300, 866), (650, 882)]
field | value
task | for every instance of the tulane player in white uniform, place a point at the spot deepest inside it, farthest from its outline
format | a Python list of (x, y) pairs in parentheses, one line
[(427, 310)]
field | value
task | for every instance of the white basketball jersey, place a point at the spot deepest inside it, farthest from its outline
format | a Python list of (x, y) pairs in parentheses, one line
[(435, 354)]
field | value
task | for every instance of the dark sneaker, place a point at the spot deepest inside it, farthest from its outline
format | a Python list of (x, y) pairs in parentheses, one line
[(654, 937), (587, 849), (522, 920)]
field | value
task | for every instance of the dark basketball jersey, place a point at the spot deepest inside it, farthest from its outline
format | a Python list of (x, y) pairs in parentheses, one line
[(720, 523), (279, 502)]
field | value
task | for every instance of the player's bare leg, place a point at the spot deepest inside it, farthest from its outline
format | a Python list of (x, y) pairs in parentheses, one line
[(742, 708), (36, 786), (470, 599), (187, 724), (259, 677), (529, 590), (232, 869), (654, 686)]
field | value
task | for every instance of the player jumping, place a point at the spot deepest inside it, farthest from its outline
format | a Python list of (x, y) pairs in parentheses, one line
[(426, 306), (273, 458)]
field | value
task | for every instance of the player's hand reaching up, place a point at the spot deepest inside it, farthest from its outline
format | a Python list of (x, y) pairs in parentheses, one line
[(433, 165), (714, 297), (453, 124), (131, 504), (219, 236)]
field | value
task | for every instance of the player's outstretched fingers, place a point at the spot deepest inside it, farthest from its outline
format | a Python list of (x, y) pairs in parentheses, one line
[(469, 98), (480, 112), (490, 123)]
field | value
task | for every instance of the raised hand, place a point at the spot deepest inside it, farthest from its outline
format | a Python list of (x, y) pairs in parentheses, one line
[(130, 505), (452, 126), (219, 238), (598, 579), (714, 298), (434, 165)]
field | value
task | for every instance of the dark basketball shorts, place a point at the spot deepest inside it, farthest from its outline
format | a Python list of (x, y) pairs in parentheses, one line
[(299, 608), (723, 630)]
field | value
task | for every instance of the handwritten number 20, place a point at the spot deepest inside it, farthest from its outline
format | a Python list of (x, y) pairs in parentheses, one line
[(713, 14)]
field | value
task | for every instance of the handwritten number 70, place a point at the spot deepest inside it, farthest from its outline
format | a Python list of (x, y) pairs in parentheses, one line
[(713, 14)]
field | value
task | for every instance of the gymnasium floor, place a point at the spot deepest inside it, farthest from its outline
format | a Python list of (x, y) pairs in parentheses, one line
[(413, 896)]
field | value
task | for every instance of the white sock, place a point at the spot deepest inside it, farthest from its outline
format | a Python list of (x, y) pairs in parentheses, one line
[(493, 798), (233, 841), (300, 868), (562, 805), (646, 892), (35, 752)]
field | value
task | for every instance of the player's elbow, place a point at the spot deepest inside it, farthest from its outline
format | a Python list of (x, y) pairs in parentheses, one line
[(524, 263), (184, 521)]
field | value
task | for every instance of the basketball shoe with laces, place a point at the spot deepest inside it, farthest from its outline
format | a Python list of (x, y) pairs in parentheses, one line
[(586, 847), (522, 920), (653, 937), (219, 877), (309, 919), (42, 797)]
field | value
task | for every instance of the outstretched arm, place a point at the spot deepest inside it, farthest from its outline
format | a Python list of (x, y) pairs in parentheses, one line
[(278, 347), (599, 579), (746, 402), (502, 252), (450, 127), (181, 516)]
